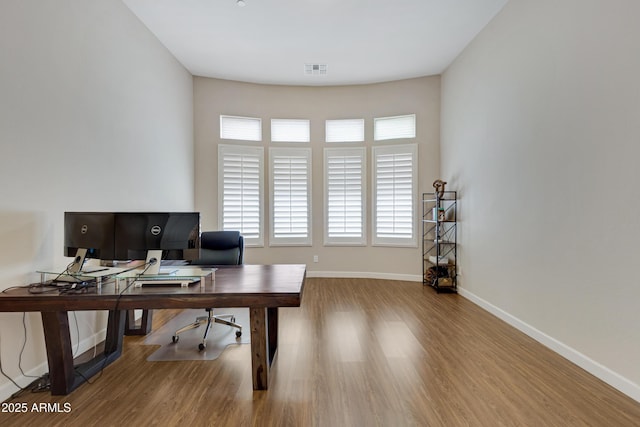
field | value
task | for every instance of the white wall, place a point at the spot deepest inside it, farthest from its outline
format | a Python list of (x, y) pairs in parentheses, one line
[(540, 134), (94, 115), (213, 97)]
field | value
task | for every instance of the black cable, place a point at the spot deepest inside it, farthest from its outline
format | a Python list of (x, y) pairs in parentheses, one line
[(7, 376), (30, 288), (76, 288), (67, 272), (41, 383), (37, 378), (15, 287), (24, 344), (75, 318), (41, 290), (52, 285)]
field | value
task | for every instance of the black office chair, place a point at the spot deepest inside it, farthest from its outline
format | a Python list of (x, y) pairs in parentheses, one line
[(217, 248)]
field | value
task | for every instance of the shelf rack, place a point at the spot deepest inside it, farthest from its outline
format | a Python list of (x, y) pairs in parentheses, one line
[(439, 240)]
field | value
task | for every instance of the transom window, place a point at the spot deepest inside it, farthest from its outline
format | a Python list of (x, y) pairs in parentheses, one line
[(344, 130), (397, 127), (240, 128), (290, 130)]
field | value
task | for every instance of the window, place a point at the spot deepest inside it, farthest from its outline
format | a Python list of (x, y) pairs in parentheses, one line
[(344, 175), (347, 130), (290, 130), (240, 172), (394, 127), (290, 181), (241, 128), (394, 181)]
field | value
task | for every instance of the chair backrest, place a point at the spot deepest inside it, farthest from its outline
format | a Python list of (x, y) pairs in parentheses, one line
[(221, 248)]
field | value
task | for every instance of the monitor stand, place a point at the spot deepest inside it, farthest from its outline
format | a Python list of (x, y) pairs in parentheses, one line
[(76, 265), (153, 269)]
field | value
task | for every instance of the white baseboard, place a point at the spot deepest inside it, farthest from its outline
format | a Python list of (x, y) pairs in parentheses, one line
[(612, 378), (365, 275)]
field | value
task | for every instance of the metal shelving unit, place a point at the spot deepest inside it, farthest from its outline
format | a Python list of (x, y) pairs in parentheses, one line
[(439, 240)]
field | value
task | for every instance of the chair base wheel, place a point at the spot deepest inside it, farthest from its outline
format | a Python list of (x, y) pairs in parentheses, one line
[(201, 346), (238, 334), (175, 338)]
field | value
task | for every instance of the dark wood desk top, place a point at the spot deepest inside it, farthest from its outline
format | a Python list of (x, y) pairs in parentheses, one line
[(278, 285)]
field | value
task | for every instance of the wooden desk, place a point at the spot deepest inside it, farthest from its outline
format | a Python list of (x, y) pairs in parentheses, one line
[(261, 288)]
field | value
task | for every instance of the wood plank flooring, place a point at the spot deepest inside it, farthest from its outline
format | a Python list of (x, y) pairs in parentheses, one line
[(358, 352)]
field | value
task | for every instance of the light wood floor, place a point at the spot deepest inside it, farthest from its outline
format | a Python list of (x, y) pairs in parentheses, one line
[(357, 353)]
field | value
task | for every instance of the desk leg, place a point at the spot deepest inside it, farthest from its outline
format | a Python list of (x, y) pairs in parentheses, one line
[(272, 331), (64, 375), (59, 352), (145, 323), (264, 340)]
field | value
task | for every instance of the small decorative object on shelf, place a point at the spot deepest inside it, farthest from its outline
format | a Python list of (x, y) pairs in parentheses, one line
[(438, 186), (439, 238)]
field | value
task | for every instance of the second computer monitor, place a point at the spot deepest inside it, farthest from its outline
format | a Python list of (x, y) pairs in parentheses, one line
[(88, 235), (176, 234)]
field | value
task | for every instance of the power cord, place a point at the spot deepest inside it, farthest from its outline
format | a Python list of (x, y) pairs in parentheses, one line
[(4, 373), (41, 383), (66, 272), (24, 345), (54, 286)]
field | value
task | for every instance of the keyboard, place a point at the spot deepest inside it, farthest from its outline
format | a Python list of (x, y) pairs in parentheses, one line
[(181, 281)]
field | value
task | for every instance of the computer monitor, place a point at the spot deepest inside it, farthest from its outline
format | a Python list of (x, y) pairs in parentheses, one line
[(157, 235), (88, 235)]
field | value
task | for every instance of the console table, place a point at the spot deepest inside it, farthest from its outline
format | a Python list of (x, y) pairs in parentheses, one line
[(261, 288)]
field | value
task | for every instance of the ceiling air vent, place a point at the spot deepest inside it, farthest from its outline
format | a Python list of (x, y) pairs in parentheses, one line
[(315, 69)]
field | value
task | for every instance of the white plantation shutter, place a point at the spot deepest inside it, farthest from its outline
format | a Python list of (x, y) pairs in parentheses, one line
[(397, 127), (290, 130), (394, 179), (345, 130), (240, 128), (240, 172), (344, 196), (290, 178)]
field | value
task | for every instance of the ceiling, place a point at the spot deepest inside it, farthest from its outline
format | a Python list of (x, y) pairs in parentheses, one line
[(359, 41)]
